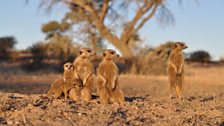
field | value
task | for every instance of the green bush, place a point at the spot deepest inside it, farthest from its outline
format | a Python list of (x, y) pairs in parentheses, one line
[(200, 56), (6, 47)]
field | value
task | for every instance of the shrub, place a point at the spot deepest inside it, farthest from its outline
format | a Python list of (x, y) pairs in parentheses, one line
[(54, 52), (151, 60), (200, 56), (6, 47)]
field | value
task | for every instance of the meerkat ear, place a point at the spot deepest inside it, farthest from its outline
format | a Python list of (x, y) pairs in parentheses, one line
[(174, 45), (104, 54), (80, 52)]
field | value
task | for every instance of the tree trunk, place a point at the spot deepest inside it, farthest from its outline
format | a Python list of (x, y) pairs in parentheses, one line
[(94, 41), (125, 50), (128, 56)]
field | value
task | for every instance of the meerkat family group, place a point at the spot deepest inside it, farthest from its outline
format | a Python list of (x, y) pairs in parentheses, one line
[(79, 79)]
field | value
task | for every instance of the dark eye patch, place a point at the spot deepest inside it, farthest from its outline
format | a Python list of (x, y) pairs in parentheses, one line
[(66, 65), (111, 52), (104, 54), (89, 51)]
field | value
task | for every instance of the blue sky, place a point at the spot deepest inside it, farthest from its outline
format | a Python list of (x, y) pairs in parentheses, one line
[(200, 25)]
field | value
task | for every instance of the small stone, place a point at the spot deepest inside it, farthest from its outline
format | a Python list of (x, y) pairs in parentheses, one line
[(10, 122), (79, 114)]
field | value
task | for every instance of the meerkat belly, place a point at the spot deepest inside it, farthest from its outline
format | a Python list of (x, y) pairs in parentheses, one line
[(178, 63), (109, 75), (111, 72), (83, 72)]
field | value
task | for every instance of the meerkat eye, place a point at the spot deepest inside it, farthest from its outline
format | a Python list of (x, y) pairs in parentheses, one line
[(66, 65), (111, 52), (89, 51), (104, 54)]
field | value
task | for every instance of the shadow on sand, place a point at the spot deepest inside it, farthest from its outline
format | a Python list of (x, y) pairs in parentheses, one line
[(34, 88)]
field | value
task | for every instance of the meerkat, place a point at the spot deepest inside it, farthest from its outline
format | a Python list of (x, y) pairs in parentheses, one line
[(69, 79), (56, 88), (84, 70), (107, 79), (175, 69), (63, 85)]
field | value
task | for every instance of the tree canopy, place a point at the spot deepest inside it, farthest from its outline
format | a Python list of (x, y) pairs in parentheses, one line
[(7, 43), (117, 21)]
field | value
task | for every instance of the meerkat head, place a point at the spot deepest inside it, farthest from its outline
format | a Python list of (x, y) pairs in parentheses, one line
[(86, 53), (180, 46), (110, 54), (68, 66)]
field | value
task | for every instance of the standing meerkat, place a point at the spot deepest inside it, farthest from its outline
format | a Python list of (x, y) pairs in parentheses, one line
[(84, 70), (175, 69), (107, 79), (63, 85)]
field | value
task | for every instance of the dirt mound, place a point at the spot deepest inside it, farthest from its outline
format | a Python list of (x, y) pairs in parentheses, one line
[(147, 102), (39, 110)]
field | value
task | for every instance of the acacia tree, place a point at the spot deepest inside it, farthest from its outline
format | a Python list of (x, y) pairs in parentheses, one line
[(113, 20), (7, 44), (54, 27)]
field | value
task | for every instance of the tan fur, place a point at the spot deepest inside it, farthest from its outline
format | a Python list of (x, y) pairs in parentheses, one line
[(107, 75), (56, 88), (175, 69), (64, 84), (75, 92), (84, 70), (68, 78)]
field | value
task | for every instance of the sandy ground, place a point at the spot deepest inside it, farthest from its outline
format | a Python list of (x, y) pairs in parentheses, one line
[(23, 102)]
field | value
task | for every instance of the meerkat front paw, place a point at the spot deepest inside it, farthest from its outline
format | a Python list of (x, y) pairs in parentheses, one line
[(84, 82), (179, 72), (113, 85)]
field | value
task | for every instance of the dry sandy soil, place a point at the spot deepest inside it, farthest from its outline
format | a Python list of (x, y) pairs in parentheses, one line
[(23, 102)]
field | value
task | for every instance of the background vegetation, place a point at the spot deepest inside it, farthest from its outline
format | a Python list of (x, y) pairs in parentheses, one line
[(96, 24)]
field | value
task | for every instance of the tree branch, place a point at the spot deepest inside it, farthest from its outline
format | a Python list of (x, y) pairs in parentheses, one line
[(98, 21), (104, 31), (145, 19), (104, 10), (142, 10), (85, 6)]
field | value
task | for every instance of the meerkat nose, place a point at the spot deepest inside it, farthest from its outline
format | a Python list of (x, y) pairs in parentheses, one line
[(118, 55)]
